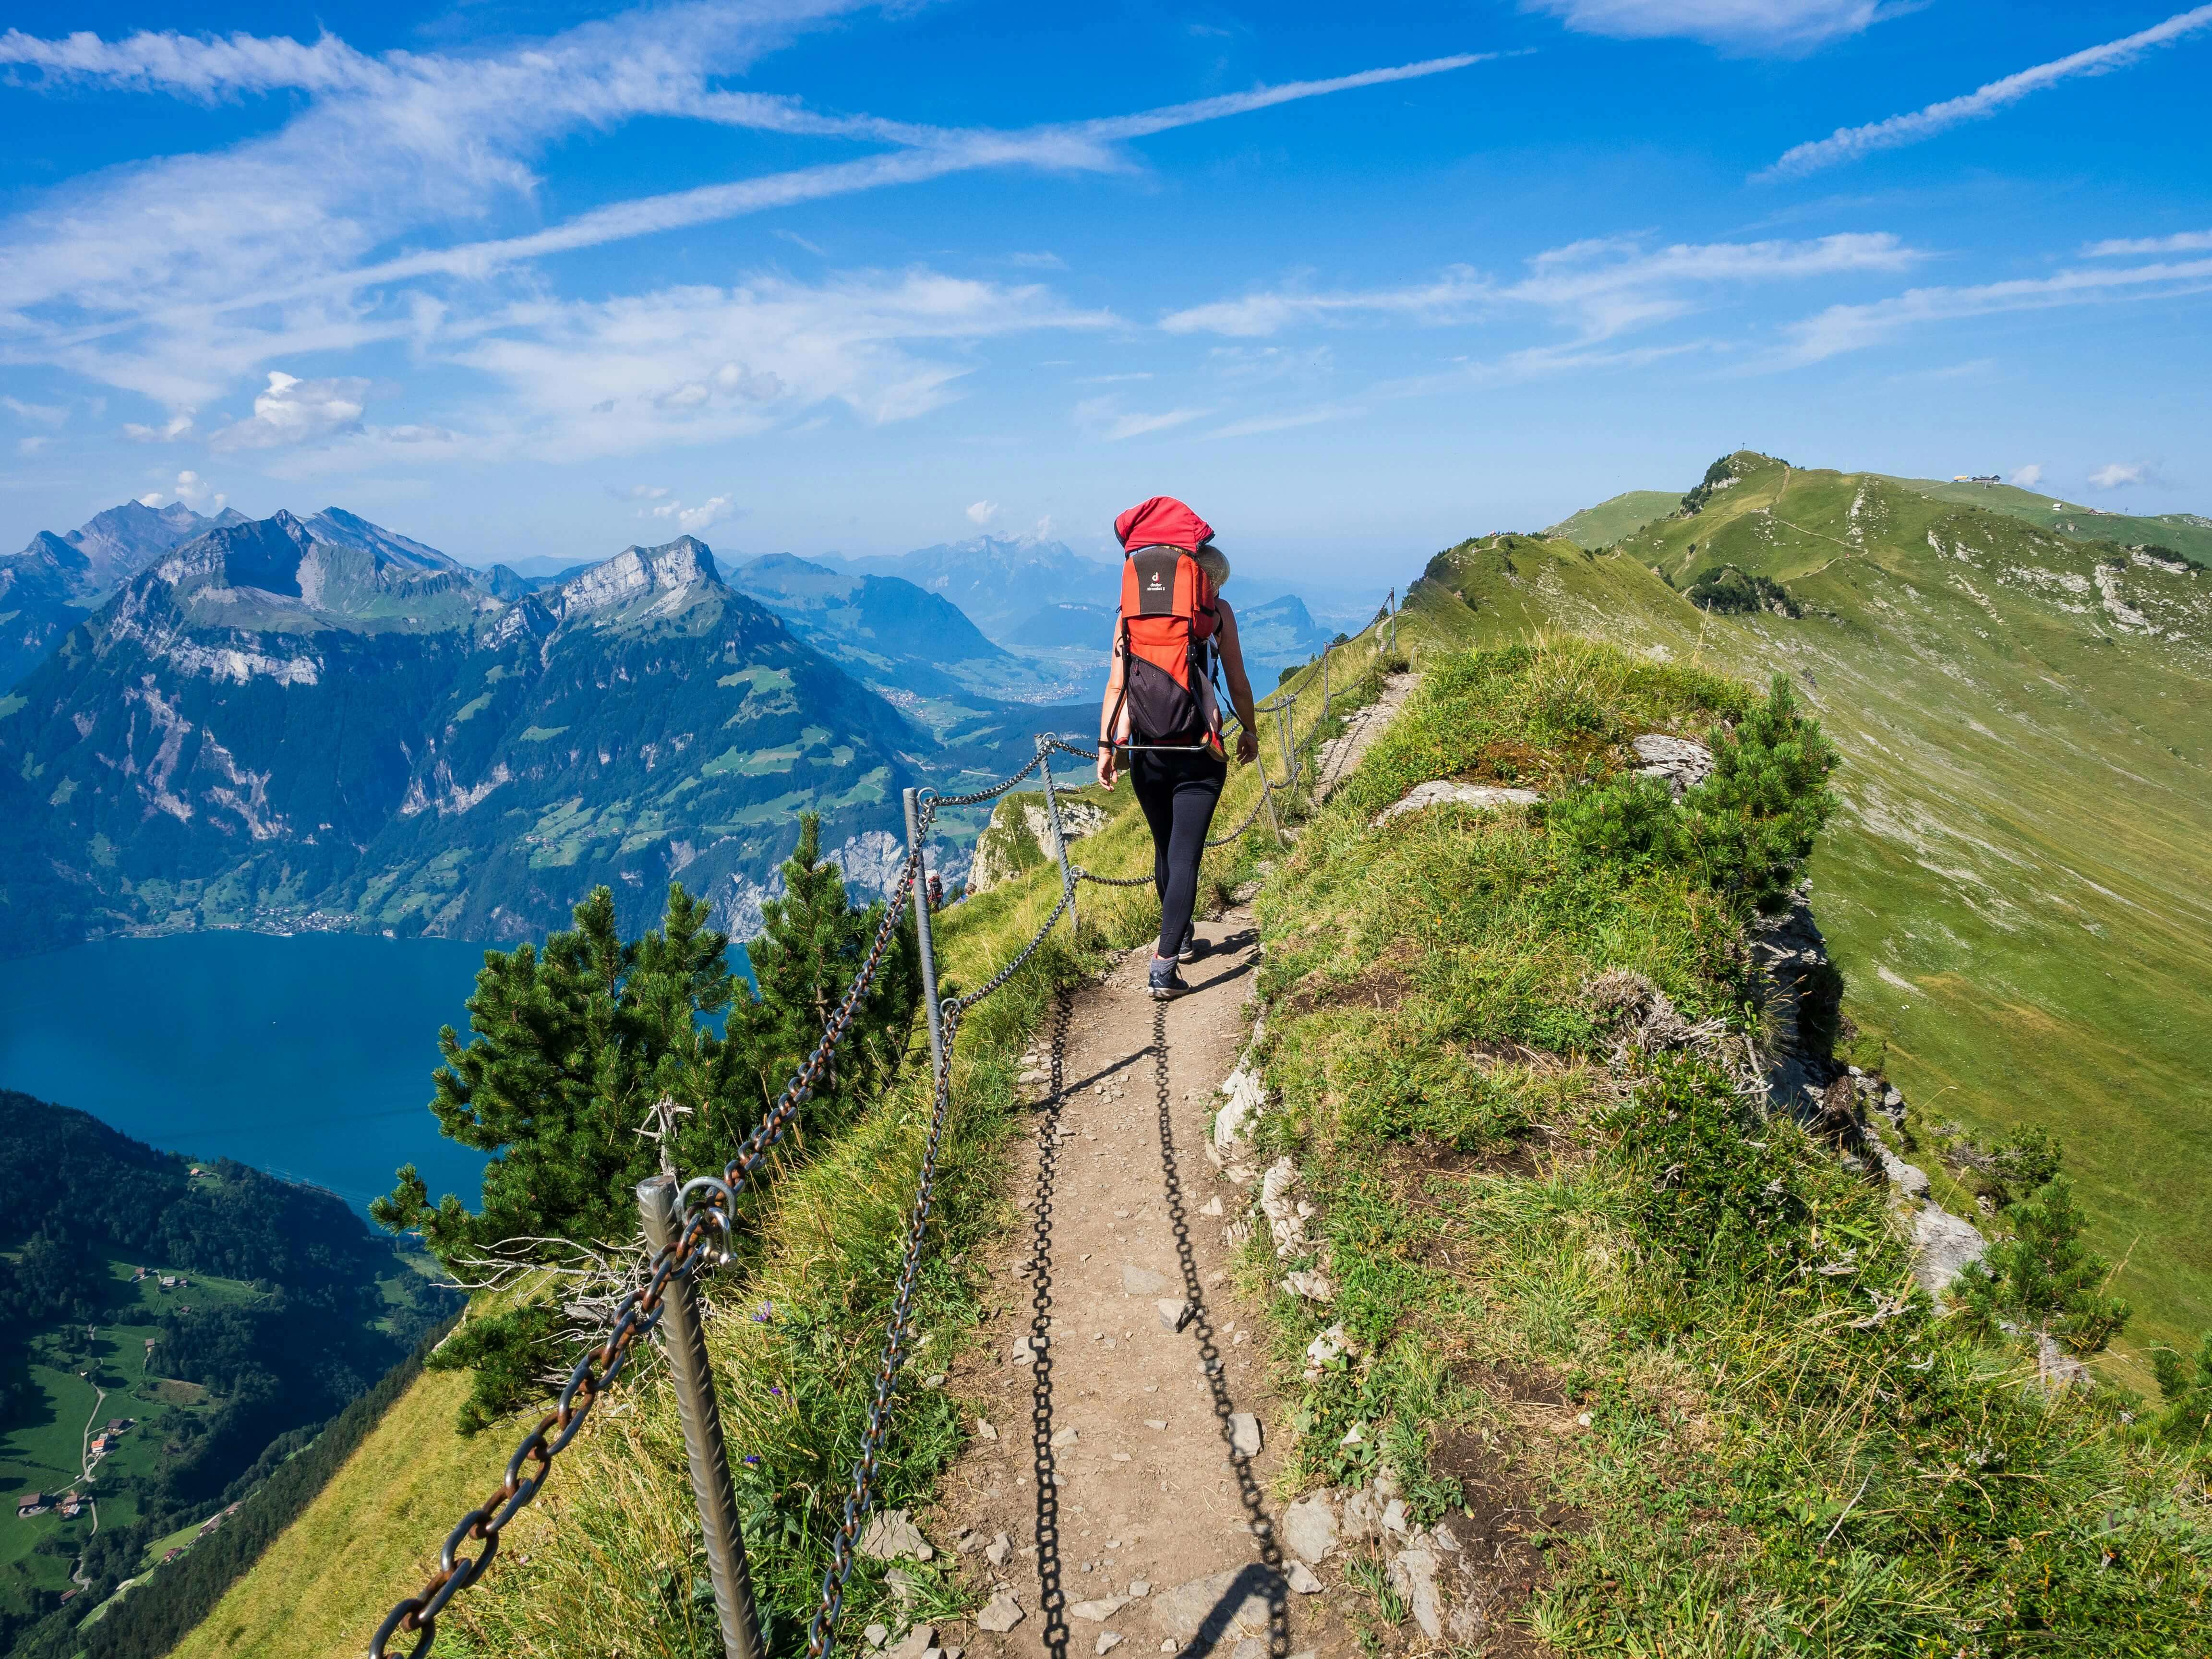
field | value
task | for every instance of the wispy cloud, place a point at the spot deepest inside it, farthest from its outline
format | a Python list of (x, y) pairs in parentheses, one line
[(2187, 241), (181, 277), (1288, 420), (1849, 144), (1853, 327), (43, 413), (1105, 419), (2029, 476), (1738, 26), (2118, 474), (693, 520), (981, 512), (701, 364), (1599, 287)]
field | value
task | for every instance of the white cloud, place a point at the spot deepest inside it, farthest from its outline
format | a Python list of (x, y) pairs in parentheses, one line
[(2118, 474), (691, 520), (645, 493), (2188, 241), (1743, 25), (178, 425), (297, 411), (181, 277), (34, 444), (982, 512), (196, 493), (613, 376), (1101, 416), (43, 413), (1043, 527), (1849, 143), (1854, 327), (1599, 288), (2027, 477)]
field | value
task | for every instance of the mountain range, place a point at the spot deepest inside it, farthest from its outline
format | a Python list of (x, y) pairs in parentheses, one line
[(53, 581), (290, 722)]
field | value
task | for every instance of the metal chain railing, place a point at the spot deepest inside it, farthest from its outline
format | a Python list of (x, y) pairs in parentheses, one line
[(417, 1614), (823, 1630), (704, 1234)]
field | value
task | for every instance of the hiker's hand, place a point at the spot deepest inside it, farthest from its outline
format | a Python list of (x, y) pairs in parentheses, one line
[(1105, 766), (1248, 745)]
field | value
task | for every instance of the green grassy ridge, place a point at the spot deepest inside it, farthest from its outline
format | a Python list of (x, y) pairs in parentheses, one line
[(1622, 515), (1598, 1301), (2016, 886)]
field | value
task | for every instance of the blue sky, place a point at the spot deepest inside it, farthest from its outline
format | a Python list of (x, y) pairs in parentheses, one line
[(815, 275)]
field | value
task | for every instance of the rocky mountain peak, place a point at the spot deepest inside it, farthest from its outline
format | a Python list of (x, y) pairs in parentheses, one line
[(637, 573)]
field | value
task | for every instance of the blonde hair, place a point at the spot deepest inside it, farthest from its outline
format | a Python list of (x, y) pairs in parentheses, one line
[(1212, 561)]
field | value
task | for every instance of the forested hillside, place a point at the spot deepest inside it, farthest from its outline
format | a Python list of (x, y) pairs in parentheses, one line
[(211, 1310)]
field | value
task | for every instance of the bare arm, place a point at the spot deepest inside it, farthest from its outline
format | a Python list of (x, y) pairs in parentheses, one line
[(1240, 687), (1106, 769)]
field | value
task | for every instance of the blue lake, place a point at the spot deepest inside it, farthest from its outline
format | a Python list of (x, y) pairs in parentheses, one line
[(309, 1057)]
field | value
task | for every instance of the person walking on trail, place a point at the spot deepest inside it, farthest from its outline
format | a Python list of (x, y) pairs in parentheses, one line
[(1161, 711)]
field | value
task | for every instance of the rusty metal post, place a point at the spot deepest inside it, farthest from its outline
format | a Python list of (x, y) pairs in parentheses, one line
[(701, 1413), (921, 932)]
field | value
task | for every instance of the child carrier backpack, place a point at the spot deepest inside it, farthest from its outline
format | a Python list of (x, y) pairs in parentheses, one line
[(1167, 621)]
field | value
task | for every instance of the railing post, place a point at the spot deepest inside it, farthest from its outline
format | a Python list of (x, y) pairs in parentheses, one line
[(701, 1414), (922, 933), (1059, 840)]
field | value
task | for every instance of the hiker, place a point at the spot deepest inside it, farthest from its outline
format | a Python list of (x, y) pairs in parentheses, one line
[(936, 892), (1160, 709)]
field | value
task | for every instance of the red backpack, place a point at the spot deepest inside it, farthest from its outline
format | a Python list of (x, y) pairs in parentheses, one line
[(1168, 618)]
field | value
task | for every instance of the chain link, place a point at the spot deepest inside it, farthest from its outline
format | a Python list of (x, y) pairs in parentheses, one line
[(963, 1004), (823, 1629), (592, 1375)]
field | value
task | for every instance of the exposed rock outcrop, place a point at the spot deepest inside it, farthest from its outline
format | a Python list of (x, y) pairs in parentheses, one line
[(1019, 836), (1444, 792)]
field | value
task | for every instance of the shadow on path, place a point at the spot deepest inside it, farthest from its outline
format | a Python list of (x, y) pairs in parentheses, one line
[(1264, 1578)]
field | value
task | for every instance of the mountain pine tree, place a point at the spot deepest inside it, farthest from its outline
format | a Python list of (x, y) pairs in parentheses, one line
[(2186, 1386), (812, 943), (1753, 823), (2044, 1278), (575, 1047)]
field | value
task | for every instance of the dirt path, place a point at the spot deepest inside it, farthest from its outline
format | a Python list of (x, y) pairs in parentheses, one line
[(1132, 1438), (1340, 754)]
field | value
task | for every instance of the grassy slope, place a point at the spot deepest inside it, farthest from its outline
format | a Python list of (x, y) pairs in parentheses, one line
[(1608, 521), (2187, 534), (1583, 1300), (2017, 886), (320, 1588)]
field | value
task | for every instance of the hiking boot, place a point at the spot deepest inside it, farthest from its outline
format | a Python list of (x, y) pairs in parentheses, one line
[(1165, 981), (1192, 946)]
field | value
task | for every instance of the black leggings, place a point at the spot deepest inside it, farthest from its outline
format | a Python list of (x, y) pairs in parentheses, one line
[(1178, 792)]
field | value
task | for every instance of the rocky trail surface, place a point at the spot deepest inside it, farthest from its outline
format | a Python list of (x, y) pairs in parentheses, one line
[(1115, 1486)]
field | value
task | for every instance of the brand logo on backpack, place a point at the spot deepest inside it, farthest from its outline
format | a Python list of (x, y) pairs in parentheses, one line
[(1167, 621)]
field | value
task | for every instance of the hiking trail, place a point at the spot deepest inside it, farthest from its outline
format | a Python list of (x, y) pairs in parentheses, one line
[(1117, 1488)]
